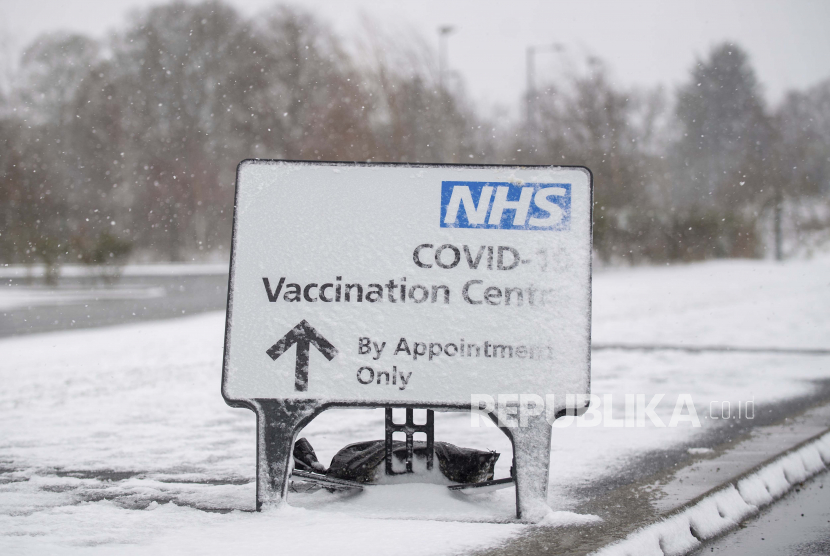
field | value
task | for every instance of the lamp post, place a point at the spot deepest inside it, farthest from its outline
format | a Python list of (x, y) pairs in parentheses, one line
[(443, 33), (531, 78)]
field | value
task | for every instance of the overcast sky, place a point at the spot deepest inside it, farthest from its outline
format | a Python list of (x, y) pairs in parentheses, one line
[(645, 42)]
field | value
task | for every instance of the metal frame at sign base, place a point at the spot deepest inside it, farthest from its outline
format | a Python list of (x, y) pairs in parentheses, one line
[(280, 420), (409, 428)]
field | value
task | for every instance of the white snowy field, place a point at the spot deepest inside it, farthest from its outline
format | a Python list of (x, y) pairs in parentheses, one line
[(117, 440)]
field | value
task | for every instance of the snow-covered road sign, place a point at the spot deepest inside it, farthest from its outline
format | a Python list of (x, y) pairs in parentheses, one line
[(418, 285)]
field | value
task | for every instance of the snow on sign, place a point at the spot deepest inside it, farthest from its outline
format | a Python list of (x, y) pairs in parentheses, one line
[(403, 285)]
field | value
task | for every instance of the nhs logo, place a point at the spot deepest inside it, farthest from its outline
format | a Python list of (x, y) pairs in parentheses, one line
[(505, 206)]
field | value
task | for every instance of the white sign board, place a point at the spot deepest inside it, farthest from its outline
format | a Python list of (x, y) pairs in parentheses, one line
[(408, 284)]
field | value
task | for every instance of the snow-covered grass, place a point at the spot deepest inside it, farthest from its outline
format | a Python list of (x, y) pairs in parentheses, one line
[(107, 528), (117, 439), (726, 302)]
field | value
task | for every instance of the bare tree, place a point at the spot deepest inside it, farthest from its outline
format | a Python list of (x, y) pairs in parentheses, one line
[(185, 76), (414, 118), (802, 165), (586, 120), (133, 142)]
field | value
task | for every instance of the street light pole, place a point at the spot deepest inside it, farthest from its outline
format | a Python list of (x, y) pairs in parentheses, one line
[(779, 240), (443, 32), (530, 61), (531, 92), (441, 140)]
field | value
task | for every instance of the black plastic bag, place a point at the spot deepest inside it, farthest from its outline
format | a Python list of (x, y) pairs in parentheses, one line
[(364, 462), (305, 459)]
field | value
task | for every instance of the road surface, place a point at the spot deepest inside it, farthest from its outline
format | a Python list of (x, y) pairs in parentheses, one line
[(797, 525), (76, 303)]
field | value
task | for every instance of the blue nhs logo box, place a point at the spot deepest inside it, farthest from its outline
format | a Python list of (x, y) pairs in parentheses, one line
[(505, 206)]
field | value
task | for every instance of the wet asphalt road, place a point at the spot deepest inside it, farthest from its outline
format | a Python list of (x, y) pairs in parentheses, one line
[(797, 525), (76, 303)]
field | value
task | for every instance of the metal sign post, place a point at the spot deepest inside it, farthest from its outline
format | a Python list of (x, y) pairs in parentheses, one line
[(448, 287)]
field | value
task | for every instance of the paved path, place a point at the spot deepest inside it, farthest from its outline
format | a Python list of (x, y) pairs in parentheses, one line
[(77, 303)]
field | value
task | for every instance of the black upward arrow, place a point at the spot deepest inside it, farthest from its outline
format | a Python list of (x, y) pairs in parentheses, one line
[(303, 335)]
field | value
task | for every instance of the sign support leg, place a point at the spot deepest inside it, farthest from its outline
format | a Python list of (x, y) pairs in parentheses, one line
[(278, 422), (531, 467)]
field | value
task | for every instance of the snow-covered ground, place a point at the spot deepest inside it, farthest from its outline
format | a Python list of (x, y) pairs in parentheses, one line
[(117, 440)]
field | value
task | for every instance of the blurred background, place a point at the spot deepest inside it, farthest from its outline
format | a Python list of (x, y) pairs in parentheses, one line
[(121, 124)]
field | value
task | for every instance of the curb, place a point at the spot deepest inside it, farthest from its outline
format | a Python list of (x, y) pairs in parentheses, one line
[(726, 507)]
